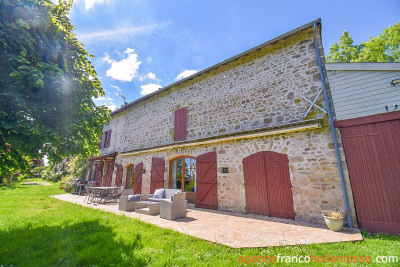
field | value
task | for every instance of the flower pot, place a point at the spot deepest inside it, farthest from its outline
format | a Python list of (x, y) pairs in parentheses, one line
[(334, 224)]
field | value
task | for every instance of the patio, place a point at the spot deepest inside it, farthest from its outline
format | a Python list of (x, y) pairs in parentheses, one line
[(235, 229)]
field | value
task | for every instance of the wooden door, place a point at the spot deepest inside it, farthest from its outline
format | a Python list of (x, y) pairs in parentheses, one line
[(137, 183), (373, 158), (157, 174), (206, 174), (255, 184), (129, 176), (267, 184), (118, 177), (279, 187)]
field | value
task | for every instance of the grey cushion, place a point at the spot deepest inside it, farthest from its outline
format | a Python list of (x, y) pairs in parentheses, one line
[(133, 197), (159, 193)]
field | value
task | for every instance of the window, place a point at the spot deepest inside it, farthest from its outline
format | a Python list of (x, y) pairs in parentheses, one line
[(183, 174), (180, 124), (129, 177), (105, 139)]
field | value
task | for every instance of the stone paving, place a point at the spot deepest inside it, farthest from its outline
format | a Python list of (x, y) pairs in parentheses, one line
[(235, 229)]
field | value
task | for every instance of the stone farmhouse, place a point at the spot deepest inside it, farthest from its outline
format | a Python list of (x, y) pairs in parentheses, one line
[(249, 134)]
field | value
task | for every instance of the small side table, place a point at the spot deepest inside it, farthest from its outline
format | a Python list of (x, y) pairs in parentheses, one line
[(147, 207)]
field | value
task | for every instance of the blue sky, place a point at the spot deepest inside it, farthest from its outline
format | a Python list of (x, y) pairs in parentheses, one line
[(140, 46)]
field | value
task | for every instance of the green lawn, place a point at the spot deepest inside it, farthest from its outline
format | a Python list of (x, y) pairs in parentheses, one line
[(36, 230)]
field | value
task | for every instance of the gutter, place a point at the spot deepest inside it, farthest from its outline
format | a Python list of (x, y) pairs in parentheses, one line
[(332, 127), (223, 139)]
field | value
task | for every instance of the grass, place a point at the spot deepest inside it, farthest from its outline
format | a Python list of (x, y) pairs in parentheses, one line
[(36, 230)]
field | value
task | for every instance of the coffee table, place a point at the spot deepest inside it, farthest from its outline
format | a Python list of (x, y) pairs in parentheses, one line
[(147, 207)]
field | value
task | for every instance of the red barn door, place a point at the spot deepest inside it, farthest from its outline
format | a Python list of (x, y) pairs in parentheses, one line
[(372, 149), (206, 173), (267, 185)]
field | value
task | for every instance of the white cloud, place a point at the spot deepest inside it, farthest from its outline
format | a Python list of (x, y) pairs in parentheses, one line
[(103, 98), (124, 70), (150, 76), (120, 33), (111, 106), (116, 87), (184, 74), (149, 88), (149, 59), (90, 3), (106, 58)]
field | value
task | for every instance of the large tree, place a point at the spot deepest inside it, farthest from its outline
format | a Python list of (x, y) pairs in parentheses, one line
[(46, 86), (384, 48)]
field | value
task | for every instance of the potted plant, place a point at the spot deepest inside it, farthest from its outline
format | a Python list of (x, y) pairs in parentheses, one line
[(334, 220)]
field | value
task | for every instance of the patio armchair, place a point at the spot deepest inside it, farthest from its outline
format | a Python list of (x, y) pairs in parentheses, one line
[(174, 208), (127, 200)]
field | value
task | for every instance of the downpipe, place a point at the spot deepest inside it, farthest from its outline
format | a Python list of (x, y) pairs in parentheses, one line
[(328, 106)]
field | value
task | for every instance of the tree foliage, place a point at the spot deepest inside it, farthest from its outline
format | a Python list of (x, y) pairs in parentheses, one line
[(46, 86), (384, 48)]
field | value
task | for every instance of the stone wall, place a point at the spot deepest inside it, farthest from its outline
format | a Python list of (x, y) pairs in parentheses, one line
[(314, 174), (261, 89)]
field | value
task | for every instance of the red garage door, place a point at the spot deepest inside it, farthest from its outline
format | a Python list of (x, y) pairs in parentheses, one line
[(267, 184), (372, 149)]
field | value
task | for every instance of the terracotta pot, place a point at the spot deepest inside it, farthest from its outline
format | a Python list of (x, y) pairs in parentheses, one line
[(334, 224)]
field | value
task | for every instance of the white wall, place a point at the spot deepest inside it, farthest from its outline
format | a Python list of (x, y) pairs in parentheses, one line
[(363, 89)]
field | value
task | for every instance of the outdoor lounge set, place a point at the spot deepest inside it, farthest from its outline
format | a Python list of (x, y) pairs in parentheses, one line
[(169, 203)]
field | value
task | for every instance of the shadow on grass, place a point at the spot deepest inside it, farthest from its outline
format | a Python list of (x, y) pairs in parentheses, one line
[(80, 244)]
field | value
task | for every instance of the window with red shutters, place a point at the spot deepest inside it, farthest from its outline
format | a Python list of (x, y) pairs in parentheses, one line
[(108, 138), (105, 142), (180, 124)]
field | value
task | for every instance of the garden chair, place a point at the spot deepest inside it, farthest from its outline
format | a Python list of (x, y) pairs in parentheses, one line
[(89, 193), (116, 193), (174, 208)]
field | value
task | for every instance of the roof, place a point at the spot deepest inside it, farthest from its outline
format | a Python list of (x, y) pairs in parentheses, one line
[(197, 74), (363, 66)]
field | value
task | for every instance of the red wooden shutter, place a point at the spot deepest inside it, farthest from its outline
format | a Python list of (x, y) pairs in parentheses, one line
[(157, 174), (101, 137), (180, 124), (108, 138), (99, 172), (137, 183), (118, 177), (206, 173), (110, 172), (267, 184)]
